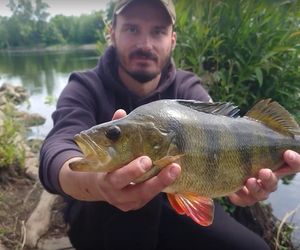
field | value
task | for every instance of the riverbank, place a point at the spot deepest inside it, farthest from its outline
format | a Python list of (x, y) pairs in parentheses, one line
[(50, 48), (30, 217)]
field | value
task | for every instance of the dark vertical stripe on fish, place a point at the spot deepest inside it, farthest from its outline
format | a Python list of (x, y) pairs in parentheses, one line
[(212, 153), (244, 152), (273, 148), (174, 125)]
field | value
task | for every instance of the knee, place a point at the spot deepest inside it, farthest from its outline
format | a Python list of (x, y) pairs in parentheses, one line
[(251, 243)]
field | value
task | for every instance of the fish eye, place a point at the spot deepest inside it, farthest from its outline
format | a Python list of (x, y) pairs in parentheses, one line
[(113, 133)]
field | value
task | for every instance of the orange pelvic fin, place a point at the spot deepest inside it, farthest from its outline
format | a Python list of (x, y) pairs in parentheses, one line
[(200, 209)]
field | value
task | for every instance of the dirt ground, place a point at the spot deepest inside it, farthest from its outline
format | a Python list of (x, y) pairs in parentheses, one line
[(19, 196)]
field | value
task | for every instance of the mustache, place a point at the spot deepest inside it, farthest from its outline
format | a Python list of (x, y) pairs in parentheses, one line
[(142, 53)]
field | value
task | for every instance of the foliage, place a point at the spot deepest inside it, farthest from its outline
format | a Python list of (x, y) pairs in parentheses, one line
[(285, 237), (243, 50), (50, 100), (79, 30), (103, 36), (12, 152), (226, 204), (29, 26), (25, 25)]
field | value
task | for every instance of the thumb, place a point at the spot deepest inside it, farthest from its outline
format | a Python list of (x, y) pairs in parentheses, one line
[(120, 113)]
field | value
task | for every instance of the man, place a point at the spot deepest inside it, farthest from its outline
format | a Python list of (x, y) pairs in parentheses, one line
[(104, 211)]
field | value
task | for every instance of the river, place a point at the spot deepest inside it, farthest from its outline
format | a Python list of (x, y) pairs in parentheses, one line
[(44, 75)]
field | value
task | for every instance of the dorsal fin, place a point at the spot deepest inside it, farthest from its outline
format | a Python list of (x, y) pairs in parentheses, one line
[(274, 116), (218, 108)]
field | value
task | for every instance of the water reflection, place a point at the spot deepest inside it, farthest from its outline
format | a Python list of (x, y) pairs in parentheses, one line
[(38, 71), (285, 200), (43, 74)]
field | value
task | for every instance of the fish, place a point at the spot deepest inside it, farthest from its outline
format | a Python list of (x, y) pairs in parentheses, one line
[(216, 147)]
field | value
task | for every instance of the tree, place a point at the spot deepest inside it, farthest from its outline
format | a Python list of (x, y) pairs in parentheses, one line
[(40, 16), (88, 27), (29, 25), (64, 25), (27, 22), (4, 34), (21, 8), (40, 12), (52, 35)]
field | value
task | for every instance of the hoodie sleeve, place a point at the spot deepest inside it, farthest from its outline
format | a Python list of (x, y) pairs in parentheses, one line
[(75, 111)]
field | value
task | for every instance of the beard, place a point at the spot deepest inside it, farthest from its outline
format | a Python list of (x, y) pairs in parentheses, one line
[(140, 76), (143, 76)]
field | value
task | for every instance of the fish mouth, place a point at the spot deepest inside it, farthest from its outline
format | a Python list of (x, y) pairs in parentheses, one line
[(91, 150)]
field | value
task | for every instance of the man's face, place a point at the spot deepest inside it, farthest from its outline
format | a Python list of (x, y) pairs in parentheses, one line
[(143, 37)]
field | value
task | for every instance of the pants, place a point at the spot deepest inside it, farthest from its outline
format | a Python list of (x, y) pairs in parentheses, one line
[(97, 225)]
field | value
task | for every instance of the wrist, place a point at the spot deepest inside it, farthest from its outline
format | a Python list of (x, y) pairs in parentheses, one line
[(79, 185)]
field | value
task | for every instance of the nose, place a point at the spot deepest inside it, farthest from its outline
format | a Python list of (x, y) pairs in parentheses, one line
[(144, 42)]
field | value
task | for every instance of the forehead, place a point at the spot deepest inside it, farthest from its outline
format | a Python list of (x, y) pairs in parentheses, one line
[(146, 11)]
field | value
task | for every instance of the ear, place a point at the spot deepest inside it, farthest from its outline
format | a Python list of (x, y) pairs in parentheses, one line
[(112, 36), (174, 38)]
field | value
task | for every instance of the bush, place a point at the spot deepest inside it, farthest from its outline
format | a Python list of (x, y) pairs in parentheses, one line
[(12, 152), (243, 50)]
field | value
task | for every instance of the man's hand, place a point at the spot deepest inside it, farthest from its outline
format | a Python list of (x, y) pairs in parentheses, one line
[(116, 187), (258, 189)]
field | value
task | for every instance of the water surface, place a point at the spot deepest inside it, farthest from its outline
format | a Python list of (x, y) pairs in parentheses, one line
[(44, 75)]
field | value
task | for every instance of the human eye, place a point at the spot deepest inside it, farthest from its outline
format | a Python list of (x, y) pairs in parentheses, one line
[(131, 29), (159, 31)]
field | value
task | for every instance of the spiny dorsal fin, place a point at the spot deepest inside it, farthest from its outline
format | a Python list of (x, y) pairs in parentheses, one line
[(276, 117), (218, 108)]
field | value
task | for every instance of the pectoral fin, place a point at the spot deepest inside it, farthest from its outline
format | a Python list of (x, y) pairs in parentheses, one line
[(165, 161), (200, 209), (158, 165)]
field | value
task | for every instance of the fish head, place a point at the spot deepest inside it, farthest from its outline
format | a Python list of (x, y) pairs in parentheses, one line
[(111, 145), (106, 146)]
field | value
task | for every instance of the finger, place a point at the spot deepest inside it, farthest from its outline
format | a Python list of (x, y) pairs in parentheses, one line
[(122, 177), (242, 198), (120, 113), (256, 190), (165, 178), (235, 198), (135, 196), (267, 180), (152, 187), (292, 160)]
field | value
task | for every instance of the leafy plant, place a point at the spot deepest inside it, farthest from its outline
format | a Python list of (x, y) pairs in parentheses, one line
[(50, 100), (243, 50), (11, 150)]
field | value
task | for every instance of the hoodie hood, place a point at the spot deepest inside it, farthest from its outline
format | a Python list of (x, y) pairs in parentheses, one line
[(107, 69)]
